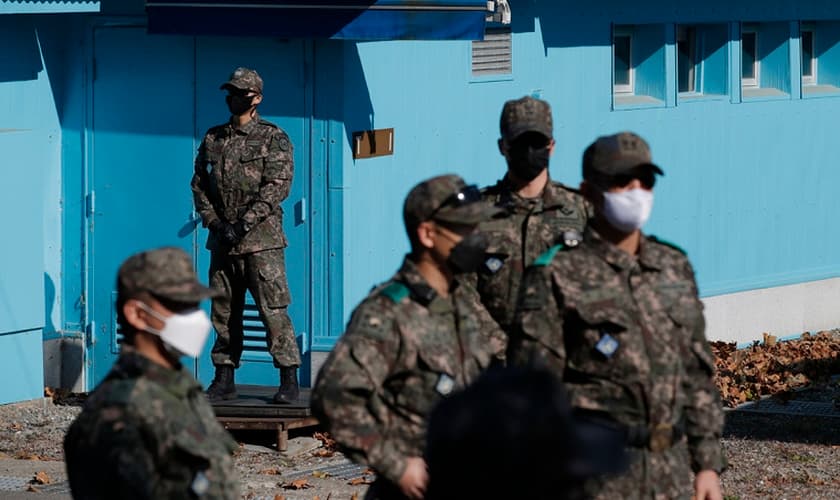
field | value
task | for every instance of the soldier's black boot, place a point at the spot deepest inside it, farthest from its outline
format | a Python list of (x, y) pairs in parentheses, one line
[(222, 388), (288, 392)]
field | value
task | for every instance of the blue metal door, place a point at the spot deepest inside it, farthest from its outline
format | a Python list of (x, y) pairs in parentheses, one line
[(140, 165), (153, 98)]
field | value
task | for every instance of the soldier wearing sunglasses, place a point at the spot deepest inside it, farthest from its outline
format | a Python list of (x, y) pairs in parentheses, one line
[(536, 211), (413, 341)]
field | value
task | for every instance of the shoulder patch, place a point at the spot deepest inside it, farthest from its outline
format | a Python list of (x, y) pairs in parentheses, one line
[(668, 244), (546, 258), (396, 291)]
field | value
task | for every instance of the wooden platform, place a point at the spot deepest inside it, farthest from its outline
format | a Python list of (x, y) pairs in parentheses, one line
[(255, 409)]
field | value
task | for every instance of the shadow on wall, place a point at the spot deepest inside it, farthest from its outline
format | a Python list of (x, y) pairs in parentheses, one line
[(23, 62)]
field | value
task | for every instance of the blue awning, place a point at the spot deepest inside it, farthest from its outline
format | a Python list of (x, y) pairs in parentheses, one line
[(344, 19), (47, 6)]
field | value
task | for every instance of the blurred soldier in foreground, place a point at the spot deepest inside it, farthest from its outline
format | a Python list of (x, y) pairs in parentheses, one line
[(536, 211), (243, 171), (147, 431), (618, 317), (512, 435), (413, 341)]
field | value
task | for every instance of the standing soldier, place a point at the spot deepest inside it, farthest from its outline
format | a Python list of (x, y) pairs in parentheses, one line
[(537, 211), (618, 317), (414, 340), (147, 431), (243, 171)]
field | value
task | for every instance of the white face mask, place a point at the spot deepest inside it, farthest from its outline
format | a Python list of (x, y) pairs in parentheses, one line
[(185, 332), (628, 210)]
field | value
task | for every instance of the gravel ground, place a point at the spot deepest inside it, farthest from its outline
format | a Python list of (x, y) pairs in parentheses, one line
[(770, 456)]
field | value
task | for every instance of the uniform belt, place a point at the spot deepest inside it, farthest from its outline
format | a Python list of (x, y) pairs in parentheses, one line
[(656, 437)]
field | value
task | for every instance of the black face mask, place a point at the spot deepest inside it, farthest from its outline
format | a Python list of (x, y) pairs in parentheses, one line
[(468, 255), (526, 161), (239, 104)]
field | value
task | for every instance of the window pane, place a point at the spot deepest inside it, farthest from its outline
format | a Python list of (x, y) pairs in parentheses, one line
[(621, 55), (807, 53), (685, 58), (748, 55)]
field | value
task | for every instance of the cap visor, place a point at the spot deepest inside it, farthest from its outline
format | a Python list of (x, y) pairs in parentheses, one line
[(230, 85), (471, 214), (195, 292)]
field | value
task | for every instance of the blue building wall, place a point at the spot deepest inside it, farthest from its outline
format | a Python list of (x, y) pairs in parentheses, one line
[(748, 189)]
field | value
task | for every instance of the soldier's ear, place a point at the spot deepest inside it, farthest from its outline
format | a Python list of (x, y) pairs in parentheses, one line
[(257, 99), (135, 315), (501, 143), (551, 144), (426, 234)]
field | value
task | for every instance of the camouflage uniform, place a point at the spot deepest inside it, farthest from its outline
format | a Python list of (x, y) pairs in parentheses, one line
[(405, 348), (527, 228), (627, 335), (147, 431), (242, 174)]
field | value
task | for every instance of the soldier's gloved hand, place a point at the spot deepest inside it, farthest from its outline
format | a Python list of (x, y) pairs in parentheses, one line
[(241, 229), (230, 235), (217, 227)]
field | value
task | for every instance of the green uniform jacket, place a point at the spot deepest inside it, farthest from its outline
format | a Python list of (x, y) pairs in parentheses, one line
[(627, 336), (405, 349), (243, 173), (148, 432), (527, 228)]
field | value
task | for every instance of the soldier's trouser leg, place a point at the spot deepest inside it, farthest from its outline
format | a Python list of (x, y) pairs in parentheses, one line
[(266, 273), (226, 274)]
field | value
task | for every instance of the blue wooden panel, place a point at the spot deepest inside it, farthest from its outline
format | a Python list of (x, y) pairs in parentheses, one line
[(22, 262), (21, 366), (48, 6)]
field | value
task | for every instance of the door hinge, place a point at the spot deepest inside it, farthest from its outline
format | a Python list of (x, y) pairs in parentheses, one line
[(90, 203)]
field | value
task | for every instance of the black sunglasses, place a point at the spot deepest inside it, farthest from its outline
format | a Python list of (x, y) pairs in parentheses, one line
[(467, 195)]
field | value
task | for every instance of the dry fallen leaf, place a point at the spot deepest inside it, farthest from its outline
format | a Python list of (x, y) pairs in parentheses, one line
[(15, 426), (23, 455), (323, 452), (360, 480), (279, 497), (41, 478), (271, 471), (355, 496), (320, 474), (32, 489), (297, 484)]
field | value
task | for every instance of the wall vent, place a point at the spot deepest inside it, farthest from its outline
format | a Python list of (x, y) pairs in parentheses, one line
[(493, 55)]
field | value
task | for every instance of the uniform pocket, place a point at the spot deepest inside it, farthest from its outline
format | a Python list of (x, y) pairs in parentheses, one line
[(272, 286)]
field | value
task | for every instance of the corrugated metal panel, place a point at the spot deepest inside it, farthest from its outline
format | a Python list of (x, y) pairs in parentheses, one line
[(493, 55), (47, 6)]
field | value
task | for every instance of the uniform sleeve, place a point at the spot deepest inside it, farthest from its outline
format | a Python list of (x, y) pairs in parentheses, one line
[(536, 336), (200, 187), (109, 455), (704, 413), (347, 394), (276, 179)]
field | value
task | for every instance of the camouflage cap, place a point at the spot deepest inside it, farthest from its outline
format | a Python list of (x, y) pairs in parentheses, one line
[(244, 79), (446, 198), (618, 154), (165, 272), (525, 115)]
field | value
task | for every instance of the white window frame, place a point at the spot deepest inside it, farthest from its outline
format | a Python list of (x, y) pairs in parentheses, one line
[(624, 89), (809, 28), (695, 72), (751, 82)]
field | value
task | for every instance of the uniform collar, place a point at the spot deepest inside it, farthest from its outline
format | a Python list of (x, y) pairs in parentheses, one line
[(614, 256), (420, 289), (132, 364), (553, 195), (248, 127)]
